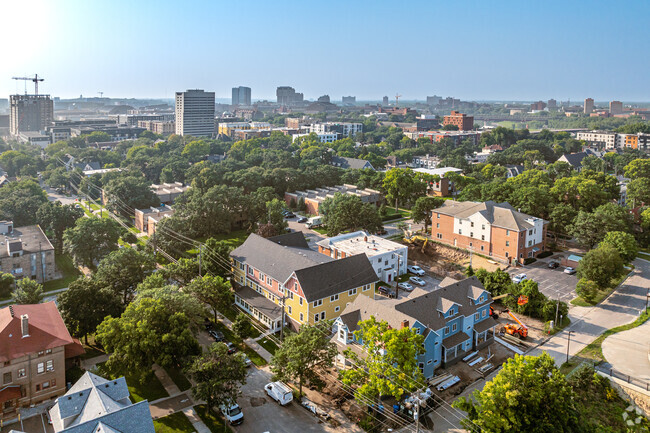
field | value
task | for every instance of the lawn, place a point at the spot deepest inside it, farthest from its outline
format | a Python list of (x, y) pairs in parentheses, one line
[(150, 390), (212, 420), (177, 376), (67, 268), (392, 215), (268, 344), (255, 357), (92, 348), (600, 296), (234, 238), (643, 255), (174, 423)]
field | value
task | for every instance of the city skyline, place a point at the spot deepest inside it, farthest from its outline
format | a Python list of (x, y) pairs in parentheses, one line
[(472, 50)]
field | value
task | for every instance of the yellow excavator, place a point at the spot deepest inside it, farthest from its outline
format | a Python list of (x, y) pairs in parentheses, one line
[(411, 239)]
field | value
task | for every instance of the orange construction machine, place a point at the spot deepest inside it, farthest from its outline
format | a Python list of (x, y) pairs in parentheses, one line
[(521, 300), (519, 330)]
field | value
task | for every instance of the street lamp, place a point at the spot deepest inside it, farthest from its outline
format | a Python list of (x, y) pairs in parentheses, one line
[(567, 344)]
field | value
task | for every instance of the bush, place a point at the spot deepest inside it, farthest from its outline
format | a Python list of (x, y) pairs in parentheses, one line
[(529, 260), (293, 204), (587, 289), (544, 254)]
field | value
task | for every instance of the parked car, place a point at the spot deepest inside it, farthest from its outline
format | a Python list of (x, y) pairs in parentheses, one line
[(519, 278), (417, 280), (289, 215), (302, 219), (415, 270), (387, 291), (217, 335), (405, 286), (279, 392), (553, 264), (233, 414), (380, 232), (231, 347), (208, 324), (569, 270)]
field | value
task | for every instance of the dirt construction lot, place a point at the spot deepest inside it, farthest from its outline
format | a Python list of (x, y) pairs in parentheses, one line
[(554, 283)]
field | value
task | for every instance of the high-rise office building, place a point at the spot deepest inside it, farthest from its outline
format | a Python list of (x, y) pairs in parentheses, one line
[(288, 96), (195, 113), (349, 100), (241, 95), (552, 104), (384, 101), (324, 98), (589, 106), (30, 113), (615, 107)]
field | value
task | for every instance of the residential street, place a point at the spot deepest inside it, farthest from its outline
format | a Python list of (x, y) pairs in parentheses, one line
[(627, 352)]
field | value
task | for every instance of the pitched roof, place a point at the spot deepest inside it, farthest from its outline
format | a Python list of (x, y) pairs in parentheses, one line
[(293, 239), (95, 404), (363, 307), (269, 308), (575, 159), (498, 214), (353, 163), (45, 327)]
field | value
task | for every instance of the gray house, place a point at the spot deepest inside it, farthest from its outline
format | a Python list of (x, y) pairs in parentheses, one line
[(356, 163)]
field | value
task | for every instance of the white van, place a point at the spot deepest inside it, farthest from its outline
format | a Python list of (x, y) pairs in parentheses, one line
[(279, 392), (316, 221), (233, 414)]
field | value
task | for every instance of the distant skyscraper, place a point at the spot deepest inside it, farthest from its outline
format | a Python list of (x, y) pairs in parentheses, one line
[(552, 104), (195, 113), (433, 100), (241, 95), (384, 101), (589, 105), (615, 107), (349, 100), (30, 113), (288, 96), (324, 98)]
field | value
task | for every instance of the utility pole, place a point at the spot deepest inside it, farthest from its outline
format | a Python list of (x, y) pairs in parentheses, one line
[(567, 344), (153, 239), (282, 315)]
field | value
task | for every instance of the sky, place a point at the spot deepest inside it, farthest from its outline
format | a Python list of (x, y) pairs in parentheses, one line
[(473, 50)]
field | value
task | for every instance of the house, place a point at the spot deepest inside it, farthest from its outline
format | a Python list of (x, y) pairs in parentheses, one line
[(388, 258), (393, 162), (574, 159), (96, 405), (313, 198), (443, 187), (26, 252), (146, 219), (35, 346), (280, 276), (492, 229), (454, 320), (514, 170), (351, 163)]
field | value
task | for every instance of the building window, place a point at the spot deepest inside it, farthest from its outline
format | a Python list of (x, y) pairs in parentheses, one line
[(446, 330), (477, 316), (437, 225), (530, 232), (46, 385), (507, 243), (481, 247), (507, 232), (250, 271), (460, 231), (337, 309), (289, 310), (334, 298), (342, 335), (295, 286), (318, 303), (421, 367), (437, 215), (262, 277), (48, 351), (379, 260), (439, 235), (40, 353), (482, 237), (302, 317), (300, 301), (40, 368), (316, 317), (471, 234), (454, 327), (366, 287), (471, 224), (484, 313), (352, 292), (22, 373), (6, 378), (50, 365), (290, 294), (322, 316), (507, 255), (482, 226)]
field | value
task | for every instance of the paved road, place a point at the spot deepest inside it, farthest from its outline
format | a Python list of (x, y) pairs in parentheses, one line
[(627, 352), (554, 283), (621, 307), (52, 195)]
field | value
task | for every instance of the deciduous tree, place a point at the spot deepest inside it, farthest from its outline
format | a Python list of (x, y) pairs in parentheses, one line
[(122, 270), (27, 291), (213, 291), (624, 243), (91, 239), (421, 211), (601, 265), (57, 218)]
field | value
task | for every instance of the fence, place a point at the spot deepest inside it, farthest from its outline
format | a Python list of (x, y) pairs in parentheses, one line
[(624, 377)]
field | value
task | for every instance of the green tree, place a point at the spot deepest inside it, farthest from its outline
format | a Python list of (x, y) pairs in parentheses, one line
[(601, 265), (638, 191), (213, 291), (55, 217), (90, 240), (529, 394), (591, 228), (587, 289), (274, 215), (390, 363), (195, 150), (242, 326), (218, 376), (399, 184), (217, 257), (421, 211), (149, 331), (6, 284), (20, 201), (122, 270), (28, 291), (184, 270), (304, 355), (624, 243), (85, 305), (126, 193), (98, 137), (348, 212), (639, 168)]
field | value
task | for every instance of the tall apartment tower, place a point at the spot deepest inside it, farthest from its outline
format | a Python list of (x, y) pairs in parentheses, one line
[(195, 113), (384, 101), (30, 113), (615, 107), (589, 105), (287, 95), (241, 95)]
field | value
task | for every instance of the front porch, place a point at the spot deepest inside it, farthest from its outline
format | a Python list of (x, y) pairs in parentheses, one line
[(482, 335), (452, 348), (264, 310)]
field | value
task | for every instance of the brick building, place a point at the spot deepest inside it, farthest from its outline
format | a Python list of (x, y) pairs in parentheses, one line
[(313, 198), (146, 219), (26, 252), (34, 348), (492, 229), (463, 121)]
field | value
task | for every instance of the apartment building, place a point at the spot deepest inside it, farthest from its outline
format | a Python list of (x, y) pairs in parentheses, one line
[(493, 229), (94, 404), (195, 113), (463, 121), (241, 96), (281, 277), (344, 129), (158, 126), (426, 161), (454, 320), (606, 139), (615, 107), (328, 137), (588, 106), (34, 347), (168, 192), (313, 198), (456, 137), (26, 252), (30, 113), (287, 95), (229, 128), (638, 141), (442, 187), (388, 258), (146, 219)]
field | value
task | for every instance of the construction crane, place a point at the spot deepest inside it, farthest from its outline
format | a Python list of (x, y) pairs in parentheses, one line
[(520, 330), (35, 79), (397, 96)]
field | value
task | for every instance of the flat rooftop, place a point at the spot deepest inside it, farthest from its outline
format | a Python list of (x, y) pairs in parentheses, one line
[(32, 237), (361, 242)]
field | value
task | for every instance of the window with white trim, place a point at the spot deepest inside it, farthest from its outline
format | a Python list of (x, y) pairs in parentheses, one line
[(49, 366), (318, 303), (454, 326), (40, 368), (300, 301), (337, 309), (334, 298), (289, 310), (366, 287), (352, 292), (316, 317), (302, 317)]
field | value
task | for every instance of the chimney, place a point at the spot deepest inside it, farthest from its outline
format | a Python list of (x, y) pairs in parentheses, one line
[(24, 325), (405, 324)]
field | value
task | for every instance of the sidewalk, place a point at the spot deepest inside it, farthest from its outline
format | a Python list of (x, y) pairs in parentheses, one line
[(252, 343), (90, 363)]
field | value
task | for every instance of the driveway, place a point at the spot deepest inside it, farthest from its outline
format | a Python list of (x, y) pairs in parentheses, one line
[(554, 283), (621, 307), (628, 351)]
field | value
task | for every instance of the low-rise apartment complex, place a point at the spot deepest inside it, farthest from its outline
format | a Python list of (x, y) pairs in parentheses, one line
[(313, 198), (388, 258), (34, 347), (281, 277), (613, 140), (146, 219), (493, 229), (454, 320), (26, 252)]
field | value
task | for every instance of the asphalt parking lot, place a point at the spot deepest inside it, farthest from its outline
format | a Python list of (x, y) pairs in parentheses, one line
[(554, 283)]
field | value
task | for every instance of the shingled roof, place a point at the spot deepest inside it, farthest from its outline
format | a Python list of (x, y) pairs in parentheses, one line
[(498, 214)]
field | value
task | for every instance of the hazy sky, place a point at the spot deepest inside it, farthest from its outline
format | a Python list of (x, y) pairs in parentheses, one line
[(487, 49)]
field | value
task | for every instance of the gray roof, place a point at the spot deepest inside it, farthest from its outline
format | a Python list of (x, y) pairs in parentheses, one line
[(293, 239), (29, 239), (455, 340), (575, 159), (267, 307), (485, 324), (498, 214), (364, 307), (353, 163), (94, 404)]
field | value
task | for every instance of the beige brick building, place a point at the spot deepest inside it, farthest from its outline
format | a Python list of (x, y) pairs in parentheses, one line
[(26, 252), (34, 347)]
